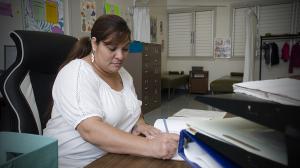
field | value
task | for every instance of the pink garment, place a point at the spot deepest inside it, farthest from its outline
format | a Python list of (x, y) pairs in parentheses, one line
[(295, 57), (285, 52)]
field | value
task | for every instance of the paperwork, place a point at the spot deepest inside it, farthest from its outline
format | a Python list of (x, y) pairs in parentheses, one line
[(179, 121), (247, 135), (284, 90)]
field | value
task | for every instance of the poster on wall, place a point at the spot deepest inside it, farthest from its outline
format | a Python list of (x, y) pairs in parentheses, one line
[(222, 48), (112, 9), (44, 15), (88, 14), (153, 29), (6, 8)]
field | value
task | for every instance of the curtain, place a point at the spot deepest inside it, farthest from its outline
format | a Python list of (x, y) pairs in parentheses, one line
[(250, 46), (141, 24)]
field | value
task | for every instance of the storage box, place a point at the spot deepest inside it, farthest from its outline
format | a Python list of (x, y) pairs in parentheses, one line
[(27, 150)]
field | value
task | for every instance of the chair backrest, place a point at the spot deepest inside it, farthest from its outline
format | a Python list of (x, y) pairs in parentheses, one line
[(39, 55)]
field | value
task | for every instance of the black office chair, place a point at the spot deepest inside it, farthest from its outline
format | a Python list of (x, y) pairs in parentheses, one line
[(39, 55)]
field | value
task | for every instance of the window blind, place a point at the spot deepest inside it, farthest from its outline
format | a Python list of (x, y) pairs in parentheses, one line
[(180, 28), (239, 31), (275, 19), (204, 33)]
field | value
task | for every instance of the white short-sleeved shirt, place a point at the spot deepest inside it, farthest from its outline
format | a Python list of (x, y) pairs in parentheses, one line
[(79, 93)]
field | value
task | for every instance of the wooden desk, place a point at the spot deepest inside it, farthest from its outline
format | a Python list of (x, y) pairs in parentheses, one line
[(117, 160)]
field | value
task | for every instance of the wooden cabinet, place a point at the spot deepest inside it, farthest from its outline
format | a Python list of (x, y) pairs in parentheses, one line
[(145, 69), (198, 82)]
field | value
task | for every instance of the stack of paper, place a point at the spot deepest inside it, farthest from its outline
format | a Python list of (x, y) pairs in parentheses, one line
[(284, 90)]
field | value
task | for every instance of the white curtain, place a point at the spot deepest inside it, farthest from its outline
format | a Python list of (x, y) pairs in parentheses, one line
[(141, 24), (250, 48)]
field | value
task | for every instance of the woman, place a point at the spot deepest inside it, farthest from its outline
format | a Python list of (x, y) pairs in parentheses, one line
[(95, 107)]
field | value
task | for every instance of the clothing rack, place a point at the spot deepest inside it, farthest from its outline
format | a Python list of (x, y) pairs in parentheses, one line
[(273, 37)]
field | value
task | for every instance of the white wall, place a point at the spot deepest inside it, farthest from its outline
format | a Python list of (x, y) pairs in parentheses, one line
[(8, 24), (158, 9)]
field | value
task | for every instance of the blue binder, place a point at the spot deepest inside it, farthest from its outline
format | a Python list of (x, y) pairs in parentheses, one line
[(186, 137)]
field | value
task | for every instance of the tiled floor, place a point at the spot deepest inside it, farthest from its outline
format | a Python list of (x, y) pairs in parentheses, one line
[(175, 103)]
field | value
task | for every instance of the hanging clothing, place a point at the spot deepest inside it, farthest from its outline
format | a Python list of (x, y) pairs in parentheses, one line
[(295, 57), (267, 48), (271, 54), (285, 52), (274, 54)]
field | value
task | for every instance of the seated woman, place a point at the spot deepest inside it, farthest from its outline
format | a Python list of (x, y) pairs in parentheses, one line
[(95, 107)]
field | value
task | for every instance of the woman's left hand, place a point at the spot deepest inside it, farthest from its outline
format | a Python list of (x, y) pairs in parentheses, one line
[(147, 130)]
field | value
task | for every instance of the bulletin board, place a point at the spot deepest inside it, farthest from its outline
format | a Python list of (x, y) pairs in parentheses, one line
[(44, 15)]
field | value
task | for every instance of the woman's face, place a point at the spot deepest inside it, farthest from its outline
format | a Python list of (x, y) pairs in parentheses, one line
[(109, 57)]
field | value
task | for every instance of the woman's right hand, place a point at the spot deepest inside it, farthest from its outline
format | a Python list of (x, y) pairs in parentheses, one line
[(164, 146)]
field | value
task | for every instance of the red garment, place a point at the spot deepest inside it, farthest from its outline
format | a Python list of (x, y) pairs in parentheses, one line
[(285, 52), (295, 57)]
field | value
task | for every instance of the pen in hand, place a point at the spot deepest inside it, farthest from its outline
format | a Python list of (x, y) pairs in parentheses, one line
[(165, 124)]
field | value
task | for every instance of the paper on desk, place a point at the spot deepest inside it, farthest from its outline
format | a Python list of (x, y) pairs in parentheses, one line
[(247, 135), (174, 126)]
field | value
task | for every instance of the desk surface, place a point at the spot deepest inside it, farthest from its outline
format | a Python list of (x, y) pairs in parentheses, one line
[(117, 160)]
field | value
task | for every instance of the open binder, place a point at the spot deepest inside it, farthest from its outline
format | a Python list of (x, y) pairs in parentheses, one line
[(187, 138)]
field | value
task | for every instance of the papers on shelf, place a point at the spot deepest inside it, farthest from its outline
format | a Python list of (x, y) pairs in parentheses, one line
[(284, 90), (247, 135), (179, 121), (199, 114)]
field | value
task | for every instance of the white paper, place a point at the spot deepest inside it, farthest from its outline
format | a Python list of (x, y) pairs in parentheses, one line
[(174, 126), (179, 121), (203, 114)]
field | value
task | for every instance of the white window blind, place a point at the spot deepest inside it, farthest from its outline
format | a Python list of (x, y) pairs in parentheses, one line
[(275, 19), (180, 29), (239, 32), (191, 33), (204, 33)]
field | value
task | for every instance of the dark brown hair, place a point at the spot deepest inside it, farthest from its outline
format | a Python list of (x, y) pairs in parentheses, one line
[(106, 27)]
